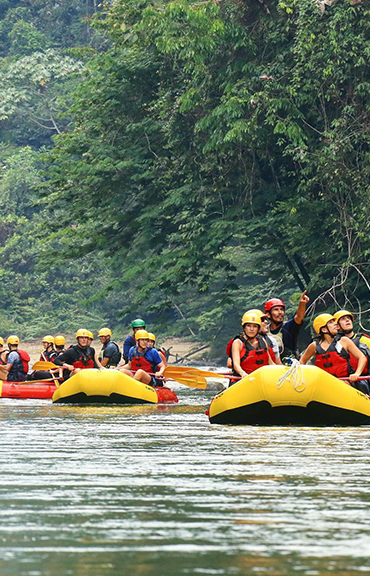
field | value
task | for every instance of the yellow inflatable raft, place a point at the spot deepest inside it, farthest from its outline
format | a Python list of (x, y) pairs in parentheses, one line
[(281, 395), (94, 386)]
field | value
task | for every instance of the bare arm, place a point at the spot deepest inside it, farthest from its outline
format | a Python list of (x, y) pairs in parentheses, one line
[(160, 369), (235, 353), (164, 359), (308, 353)]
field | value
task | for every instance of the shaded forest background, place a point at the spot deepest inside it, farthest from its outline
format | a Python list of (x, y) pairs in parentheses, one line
[(181, 161)]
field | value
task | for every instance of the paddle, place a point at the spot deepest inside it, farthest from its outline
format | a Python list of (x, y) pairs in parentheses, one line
[(42, 365), (176, 370), (191, 380), (55, 380)]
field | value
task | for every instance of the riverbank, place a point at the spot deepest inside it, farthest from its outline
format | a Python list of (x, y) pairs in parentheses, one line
[(179, 349)]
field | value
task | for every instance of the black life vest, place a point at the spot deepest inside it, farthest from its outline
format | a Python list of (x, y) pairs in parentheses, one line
[(85, 357), (335, 360), (364, 349), (48, 355), (19, 369), (113, 360)]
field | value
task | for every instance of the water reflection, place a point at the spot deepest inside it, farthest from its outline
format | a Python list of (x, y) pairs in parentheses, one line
[(111, 490)]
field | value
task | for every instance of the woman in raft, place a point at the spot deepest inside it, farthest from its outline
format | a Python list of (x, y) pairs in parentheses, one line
[(251, 349), (334, 352)]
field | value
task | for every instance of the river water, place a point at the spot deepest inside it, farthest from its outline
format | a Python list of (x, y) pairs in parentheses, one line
[(157, 491)]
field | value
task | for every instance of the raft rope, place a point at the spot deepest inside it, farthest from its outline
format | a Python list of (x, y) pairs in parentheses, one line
[(294, 375)]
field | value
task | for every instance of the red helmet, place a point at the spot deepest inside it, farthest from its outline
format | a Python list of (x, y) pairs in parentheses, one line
[(273, 302)]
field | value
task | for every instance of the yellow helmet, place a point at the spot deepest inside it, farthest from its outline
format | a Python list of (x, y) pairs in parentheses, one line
[(141, 334), (321, 320), (59, 341), (258, 312), (151, 336), (49, 339), (105, 332), (251, 318), (82, 333), (12, 339), (91, 335), (338, 315), (1, 341)]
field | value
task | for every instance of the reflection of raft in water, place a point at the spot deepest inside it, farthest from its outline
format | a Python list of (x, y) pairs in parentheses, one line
[(278, 395), (36, 390), (110, 387)]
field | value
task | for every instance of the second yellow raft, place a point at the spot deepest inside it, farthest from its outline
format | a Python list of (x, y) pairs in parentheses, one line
[(94, 386), (303, 395)]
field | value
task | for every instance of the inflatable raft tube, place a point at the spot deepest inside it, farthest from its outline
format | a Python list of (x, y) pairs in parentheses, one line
[(300, 395), (36, 390), (94, 386)]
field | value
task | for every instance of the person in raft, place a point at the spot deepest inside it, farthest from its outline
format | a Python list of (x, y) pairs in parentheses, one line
[(144, 361), (3, 353), (151, 344), (110, 354), (96, 358), (286, 333), (79, 356), (264, 331), (345, 323), (59, 343), (251, 350), (130, 341), (17, 360), (333, 352), (47, 355)]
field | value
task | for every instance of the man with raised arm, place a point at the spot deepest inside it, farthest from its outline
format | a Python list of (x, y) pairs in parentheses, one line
[(286, 333)]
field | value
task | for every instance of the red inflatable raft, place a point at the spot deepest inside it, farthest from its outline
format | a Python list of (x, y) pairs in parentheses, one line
[(37, 390)]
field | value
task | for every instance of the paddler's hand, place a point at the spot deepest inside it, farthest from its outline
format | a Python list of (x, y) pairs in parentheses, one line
[(354, 377), (304, 299)]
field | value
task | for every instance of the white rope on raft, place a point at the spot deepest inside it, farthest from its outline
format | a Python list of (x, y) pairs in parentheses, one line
[(294, 375)]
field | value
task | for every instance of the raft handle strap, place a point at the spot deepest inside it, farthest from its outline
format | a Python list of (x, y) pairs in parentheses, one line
[(294, 375)]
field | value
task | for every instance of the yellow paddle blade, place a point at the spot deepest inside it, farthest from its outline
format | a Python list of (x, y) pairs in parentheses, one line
[(41, 365), (205, 373), (177, 370), (193, 381)]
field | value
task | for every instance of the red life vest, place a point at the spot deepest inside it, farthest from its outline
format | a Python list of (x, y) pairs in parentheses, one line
[(25, 357), (3, 362), (85, 359), (252, 358), (231, 342), (335, 360), (140, 361)]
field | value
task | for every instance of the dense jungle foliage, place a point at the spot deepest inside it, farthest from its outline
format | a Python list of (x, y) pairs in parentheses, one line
[(182, 161)]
